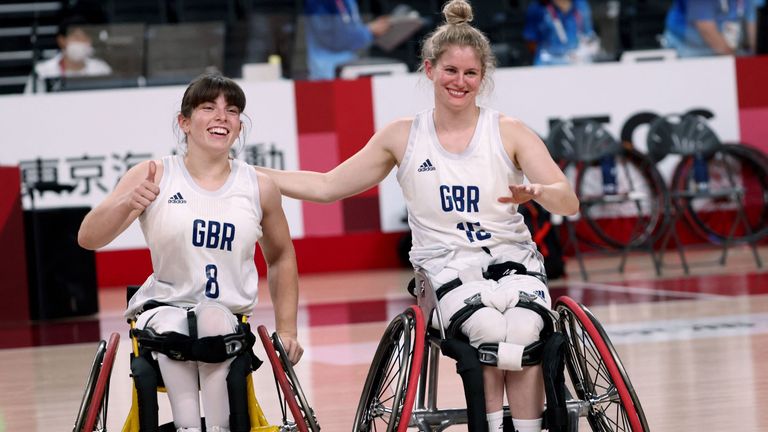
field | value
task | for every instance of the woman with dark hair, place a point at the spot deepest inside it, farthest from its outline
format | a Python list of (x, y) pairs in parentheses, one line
[(202, 214)]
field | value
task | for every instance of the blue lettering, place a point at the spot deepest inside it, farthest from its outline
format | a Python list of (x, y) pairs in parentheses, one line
[(473, 197), (460, 198), (445, 198), (227, 236), (213, 234), (198, 232)]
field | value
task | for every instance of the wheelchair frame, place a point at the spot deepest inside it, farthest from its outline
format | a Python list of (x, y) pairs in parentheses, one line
[(92, 414), (403, 371)]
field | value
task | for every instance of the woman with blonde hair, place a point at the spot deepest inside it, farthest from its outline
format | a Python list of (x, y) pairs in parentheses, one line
[(461, 168)]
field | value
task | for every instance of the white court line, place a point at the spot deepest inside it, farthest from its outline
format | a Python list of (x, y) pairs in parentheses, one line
[(688, 328), (643, 290)]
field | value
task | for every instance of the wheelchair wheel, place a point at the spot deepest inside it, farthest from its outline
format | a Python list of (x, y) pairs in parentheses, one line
[(737, 190), (597, 375), (288, 384), (390, 388), (92, 415), (632, 216)]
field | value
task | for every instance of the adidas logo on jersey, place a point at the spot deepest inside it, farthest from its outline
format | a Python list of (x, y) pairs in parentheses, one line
[(426, 166), (177, 199)]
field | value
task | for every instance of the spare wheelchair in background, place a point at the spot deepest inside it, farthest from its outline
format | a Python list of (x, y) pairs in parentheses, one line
[(622, 196), (297, 415), (719, 190), (401, 387)]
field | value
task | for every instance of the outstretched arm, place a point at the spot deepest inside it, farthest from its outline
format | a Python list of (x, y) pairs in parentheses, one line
[(282, 273), (362, 171), (548, 185), (134, 193)]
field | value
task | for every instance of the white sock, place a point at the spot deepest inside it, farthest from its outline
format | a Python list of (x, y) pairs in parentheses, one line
[(527, 425), (495, 421)]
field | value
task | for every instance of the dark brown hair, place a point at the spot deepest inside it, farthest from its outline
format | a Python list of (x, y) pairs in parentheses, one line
[(208, 87)]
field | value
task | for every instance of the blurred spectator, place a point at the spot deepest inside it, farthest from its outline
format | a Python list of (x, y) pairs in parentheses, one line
[(711, 27), (560, 32), (335, 33), (74, 58)]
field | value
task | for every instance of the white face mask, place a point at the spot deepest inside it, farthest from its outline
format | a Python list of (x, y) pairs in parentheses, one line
[(78, 51)]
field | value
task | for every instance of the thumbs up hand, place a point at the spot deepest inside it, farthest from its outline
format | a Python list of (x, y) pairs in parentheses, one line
[(147, 191)]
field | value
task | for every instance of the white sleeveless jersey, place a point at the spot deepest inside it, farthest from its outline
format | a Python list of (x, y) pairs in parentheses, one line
[(202, 242), (452, 199)]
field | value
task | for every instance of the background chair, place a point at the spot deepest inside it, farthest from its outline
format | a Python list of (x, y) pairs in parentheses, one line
[(721, 191), (622, 196)]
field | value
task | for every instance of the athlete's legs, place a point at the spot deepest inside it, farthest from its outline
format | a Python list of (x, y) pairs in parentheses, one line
[(487, 325), (525, 388), (214, 319), (180, 378)]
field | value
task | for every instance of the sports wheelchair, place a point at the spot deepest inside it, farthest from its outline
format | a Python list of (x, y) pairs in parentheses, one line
[(405, 368), (297, 415)]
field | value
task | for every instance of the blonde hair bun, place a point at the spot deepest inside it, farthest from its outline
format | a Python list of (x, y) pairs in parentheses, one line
[(457, 12)]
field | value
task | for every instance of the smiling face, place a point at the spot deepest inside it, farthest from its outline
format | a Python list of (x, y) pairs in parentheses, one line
[(457, 76), (212, 125)]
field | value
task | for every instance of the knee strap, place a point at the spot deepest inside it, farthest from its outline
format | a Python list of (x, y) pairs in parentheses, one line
[(488, 353), (463, 314), (211, 349)]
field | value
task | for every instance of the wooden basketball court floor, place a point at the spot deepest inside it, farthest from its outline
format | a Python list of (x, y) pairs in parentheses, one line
[(695, 347)]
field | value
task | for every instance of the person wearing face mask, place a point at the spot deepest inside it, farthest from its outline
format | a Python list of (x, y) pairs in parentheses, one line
[(74, 59)]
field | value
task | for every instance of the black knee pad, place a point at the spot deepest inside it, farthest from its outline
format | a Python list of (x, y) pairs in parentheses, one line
[(237, 388), (145, 378)]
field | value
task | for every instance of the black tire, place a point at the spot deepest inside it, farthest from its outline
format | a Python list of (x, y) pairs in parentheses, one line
[(736, 168), (397, 363), (632, 217), (597, 374), (92, 415)]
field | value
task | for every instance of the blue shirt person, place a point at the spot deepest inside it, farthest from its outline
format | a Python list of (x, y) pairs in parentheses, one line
[(560, 32), (710, 27), (335, 33)]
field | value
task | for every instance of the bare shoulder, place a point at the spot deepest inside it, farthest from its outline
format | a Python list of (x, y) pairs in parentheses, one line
[(265, 181), (513, 131), (394, 137), (397, 129), (511, 125)]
